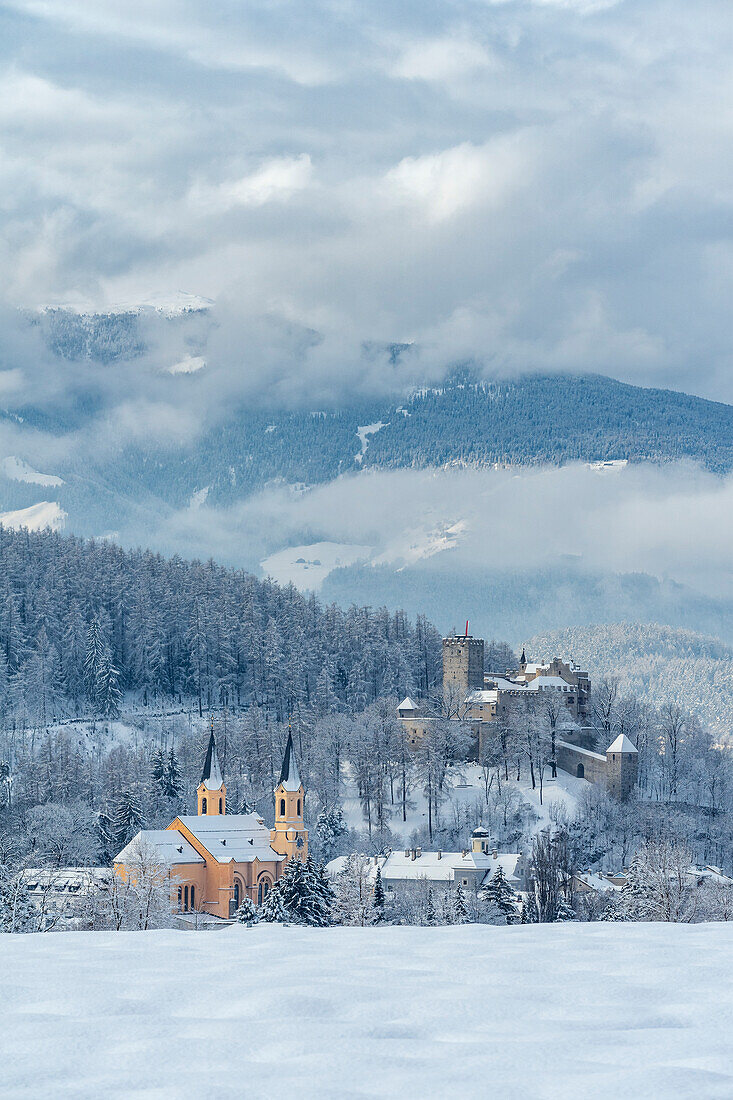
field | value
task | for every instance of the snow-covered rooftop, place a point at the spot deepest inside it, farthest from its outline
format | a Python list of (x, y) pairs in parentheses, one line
[(622, 744), (407, 704), (433, 866), (232, 838), (169, 846)]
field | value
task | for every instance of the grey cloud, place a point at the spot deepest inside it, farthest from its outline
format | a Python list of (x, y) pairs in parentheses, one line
[(530, 186)]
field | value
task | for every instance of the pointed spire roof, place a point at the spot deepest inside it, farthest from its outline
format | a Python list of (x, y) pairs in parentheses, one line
[(289, 775), (622, 744), (211, 776), (523, 658)]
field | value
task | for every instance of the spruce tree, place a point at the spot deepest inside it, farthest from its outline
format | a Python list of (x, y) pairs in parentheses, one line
[(565, 912), (460, 908), (272, 910), (127, 820), (247, 912), (431, 917), (499, 894), (379, 897)]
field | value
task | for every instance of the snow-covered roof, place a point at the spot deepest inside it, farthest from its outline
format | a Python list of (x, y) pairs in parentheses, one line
[(478, 697), (169, 847), (232, 838), (407, 704), (65, 880), (211, 776), (289, 775), (595, 881), (443, 867), (622, 744)]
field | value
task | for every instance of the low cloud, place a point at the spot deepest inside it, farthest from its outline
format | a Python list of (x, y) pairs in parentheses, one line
[(672, 522)]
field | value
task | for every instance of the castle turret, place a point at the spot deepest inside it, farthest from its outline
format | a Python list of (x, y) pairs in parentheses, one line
[(211, 792), (289, 837), (622, 761), (480, 841)]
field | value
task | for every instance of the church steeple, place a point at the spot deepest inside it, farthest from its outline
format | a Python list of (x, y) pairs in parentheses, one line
[(211, 791), (290, 837)]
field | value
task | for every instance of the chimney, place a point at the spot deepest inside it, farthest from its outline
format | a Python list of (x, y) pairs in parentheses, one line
[(440, 854), (412, 854), (418, 853), (464, 853), (407, 853), (495, 853)]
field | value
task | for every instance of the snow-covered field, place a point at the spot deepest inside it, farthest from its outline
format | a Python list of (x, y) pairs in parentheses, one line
[(602, 1010), (308, 566)]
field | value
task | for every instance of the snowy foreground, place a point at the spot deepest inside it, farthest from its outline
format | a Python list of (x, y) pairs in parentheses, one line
[(603, 1010)]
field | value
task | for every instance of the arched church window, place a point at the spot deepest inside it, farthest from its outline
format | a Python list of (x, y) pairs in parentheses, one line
[(262, 891), (193, 903), (180, 897), (203, 805), (185, 900), (298, 807), (282, 807), (236, 895), (220, 810)]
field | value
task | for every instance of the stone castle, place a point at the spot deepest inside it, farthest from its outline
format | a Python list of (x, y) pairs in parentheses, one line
[(558, 690)]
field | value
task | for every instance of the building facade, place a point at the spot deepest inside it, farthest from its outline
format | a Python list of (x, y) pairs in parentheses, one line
[(214, 859)]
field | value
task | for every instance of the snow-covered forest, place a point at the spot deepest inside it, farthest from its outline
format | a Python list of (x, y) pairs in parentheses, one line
[(114, 665)]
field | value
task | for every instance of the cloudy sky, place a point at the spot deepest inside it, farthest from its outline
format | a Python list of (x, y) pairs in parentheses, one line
[(534, 185)]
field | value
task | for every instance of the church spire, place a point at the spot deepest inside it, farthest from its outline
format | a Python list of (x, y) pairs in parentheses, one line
[(523, 658), (290, 837), (211, 776), (289, 775), (211, 790)]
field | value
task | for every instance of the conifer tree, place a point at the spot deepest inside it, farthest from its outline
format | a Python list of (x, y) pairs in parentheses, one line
[(564, 911), (379, 897), (460, 909), (127, 819), (499, 894), (247, 912), (431, 917), (272, 910)]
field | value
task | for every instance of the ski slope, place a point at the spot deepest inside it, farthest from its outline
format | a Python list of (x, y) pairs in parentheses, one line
[(540, 1011)]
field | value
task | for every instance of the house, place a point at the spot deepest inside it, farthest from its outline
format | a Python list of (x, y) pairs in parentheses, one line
[(471, 869), (214, 859)]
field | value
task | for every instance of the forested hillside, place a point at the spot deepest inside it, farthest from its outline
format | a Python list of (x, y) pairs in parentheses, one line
[(656, 663), (81, 622)]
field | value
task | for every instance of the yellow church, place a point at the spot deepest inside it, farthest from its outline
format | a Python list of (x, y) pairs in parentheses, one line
[(215, 859)]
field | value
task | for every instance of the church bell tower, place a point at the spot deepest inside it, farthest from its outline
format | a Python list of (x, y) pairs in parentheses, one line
[(211, 791), (289, 837)]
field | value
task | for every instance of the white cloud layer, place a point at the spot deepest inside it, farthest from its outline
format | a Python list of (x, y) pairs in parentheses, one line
[(532, 185)]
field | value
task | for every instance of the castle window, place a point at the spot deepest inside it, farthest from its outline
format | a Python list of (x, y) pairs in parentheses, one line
[(282, 807), (185, 900), (203, 805)]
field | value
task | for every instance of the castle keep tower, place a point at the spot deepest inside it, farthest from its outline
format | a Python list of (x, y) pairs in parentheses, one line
[(211, 792), (463, 665), (289, 837)]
